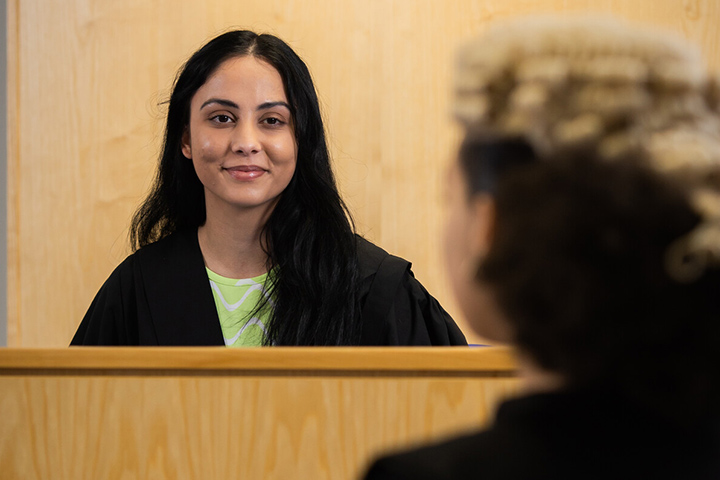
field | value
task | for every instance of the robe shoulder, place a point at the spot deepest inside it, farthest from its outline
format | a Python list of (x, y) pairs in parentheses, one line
[(158, 296), (396, 308)]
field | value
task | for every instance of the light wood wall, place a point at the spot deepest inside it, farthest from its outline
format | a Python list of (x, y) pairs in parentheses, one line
[(217, 413), (86, 82)]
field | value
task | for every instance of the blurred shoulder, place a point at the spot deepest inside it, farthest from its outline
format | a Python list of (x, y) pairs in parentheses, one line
[(455, 459)]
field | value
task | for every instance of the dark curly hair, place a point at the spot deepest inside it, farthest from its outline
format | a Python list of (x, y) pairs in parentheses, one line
[(310, 234), (578, 266)]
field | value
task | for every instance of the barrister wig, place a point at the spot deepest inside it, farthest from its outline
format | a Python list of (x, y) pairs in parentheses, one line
[(600, 143), (310, 236)]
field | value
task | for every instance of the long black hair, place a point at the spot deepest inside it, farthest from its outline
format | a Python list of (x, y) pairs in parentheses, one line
[(578, 266), (310, 240)]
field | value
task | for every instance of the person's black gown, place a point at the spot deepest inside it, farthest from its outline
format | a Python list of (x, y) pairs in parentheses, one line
[(583, 435), (160, 295)]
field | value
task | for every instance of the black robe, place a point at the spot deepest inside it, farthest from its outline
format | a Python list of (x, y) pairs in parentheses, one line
[(161, 295), (578, 435)]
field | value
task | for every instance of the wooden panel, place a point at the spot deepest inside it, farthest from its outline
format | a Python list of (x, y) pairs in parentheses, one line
[(222, 413), (87, 78), (435, 360)]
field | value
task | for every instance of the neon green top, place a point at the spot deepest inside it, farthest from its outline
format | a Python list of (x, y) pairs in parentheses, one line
[(236, 300)]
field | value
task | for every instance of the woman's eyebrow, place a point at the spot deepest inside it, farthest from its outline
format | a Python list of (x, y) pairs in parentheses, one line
[(220, 101), (266, 105), (231, 104)]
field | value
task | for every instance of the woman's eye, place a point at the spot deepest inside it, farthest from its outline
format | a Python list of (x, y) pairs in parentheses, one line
[(222, 118), (273, 121)]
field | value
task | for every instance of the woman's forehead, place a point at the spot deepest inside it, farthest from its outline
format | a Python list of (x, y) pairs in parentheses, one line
[(247, 79)]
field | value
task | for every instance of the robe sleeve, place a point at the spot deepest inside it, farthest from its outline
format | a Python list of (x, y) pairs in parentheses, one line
[(417, 318), (396, 308), (398, 311)]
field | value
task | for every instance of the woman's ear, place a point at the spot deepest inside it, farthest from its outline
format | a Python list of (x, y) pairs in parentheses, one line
[(482, 206), (186, 150)]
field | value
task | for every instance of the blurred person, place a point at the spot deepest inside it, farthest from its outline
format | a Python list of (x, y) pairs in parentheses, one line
[(584, 229)]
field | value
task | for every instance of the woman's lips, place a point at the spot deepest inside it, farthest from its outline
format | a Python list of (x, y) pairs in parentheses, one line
[(245, 172)]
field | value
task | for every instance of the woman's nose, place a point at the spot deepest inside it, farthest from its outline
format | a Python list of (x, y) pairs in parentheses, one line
[(246, 140)]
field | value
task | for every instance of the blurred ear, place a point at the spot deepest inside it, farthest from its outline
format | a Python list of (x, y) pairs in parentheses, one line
[(482, 232), (186, 150)]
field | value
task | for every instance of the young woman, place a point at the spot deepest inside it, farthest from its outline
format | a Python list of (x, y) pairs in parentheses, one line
[(244, 239), (584, 229)]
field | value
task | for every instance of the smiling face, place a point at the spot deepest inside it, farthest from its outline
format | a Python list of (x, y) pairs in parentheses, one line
[(240, 137)]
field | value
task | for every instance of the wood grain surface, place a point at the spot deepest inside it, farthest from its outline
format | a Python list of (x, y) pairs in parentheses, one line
[(86, 84), (428, 360), (211, 413)]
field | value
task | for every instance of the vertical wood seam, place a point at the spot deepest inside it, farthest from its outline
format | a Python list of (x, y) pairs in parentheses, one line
[(14, 331)]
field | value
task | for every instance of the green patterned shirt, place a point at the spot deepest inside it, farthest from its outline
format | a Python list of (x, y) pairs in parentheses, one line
[(236, 301)]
